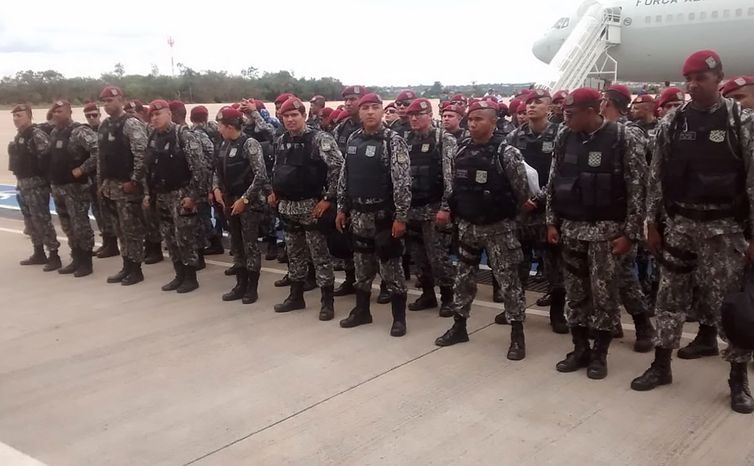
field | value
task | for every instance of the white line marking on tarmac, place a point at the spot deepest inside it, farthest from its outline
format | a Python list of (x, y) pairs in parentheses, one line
[(9, 456)]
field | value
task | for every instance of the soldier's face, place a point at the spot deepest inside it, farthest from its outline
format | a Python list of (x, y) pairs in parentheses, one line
[(294, 120), (665, 109), (160, 119), (537, 109), (402, 105), (349, 103), (61, 116), (556, 109), (21, 119), (391, 114), (744, 95), (112, 105), (577, 118), (643, 111), (451, 121), (371, 115), (482, 123), (92, 118), (420, 121), (703, 87), (521, 117)]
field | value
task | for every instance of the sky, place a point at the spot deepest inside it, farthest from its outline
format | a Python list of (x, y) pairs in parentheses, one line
[(385, 42)]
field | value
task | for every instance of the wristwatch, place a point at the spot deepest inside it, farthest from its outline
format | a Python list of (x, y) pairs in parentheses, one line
[(245, 199)]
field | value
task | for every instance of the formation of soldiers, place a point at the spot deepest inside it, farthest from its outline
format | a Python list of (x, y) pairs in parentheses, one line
[(641, 202)]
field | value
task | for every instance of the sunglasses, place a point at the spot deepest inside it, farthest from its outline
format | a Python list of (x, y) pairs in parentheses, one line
[(91, 115), (402, 103), (390, 110)]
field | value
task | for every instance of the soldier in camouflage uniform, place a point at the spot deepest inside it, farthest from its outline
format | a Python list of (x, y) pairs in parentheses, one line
[(28, 160), (452, 115), (304, 185), (240, 184), (73, 159), (404, 99), (702, 175), (432, 151), (316, 105), (150, 213), (122, 141), (614, 108), (200, 123), (176, 175), (556, 109), (489, 188), (375, 191), (595, 208)]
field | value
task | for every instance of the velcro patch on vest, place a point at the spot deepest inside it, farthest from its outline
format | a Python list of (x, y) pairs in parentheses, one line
[(548, 146), (462, 173), (687, 136), (326, 146), (481, 176), (59, 144), (371, 151), (21, 140), (110, 137), (571, 158), (233, 152), (352, 149), (717, 135), (595, 159), (153, 143), (167, 147), (425, 147)]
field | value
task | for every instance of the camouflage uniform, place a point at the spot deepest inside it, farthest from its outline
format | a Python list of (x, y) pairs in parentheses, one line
[(305, 242), (203, 208), (341, 133), (714, 249), (314, 122), (125, 208), (151, 214), (34, 190), (73, 197)]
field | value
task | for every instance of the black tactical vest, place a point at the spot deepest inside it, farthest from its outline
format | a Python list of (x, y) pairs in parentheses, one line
[(347, 128), (166, 161), (299, 174), (368, 169), (403, 128), (425, 152), (537, 150), (64, 158), (704, 163), (116, 156), (234, 168), (22, 160), (589, 185), (482, 193)]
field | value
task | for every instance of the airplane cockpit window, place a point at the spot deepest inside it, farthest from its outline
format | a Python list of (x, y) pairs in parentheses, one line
[(562, 23)]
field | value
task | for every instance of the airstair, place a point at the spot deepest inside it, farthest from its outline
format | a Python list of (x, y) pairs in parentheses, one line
[(584, 57)]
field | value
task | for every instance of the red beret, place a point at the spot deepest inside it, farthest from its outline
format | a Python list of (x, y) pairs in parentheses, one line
[(536, 94), (459, 98), (199, 112), (259, 104), (644, 99), (370, 98), (111, 91), (175, 105), (229, 114), (501, 107), (235, 105), (483, 105), (406, 94), (513, 105), (21, 108), (521, 107), (559, 96), (326, 112), (583, 97), (703, 60), (60, 103), (490, 97), (158, 104), (521, 93), (390, 105), (280, 100), (90, 107), (671, 94), (419, 105), (451, 107), (292, 104), (619, 93), (736, 84), (359, 91), (341, 116)]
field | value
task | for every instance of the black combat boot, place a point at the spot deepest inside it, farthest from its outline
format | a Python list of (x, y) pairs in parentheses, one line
[(456, 334), (215, 246), (546, 299), (180, 274), (427, 300), (497, 292), (85, 264), (251, 295), (617, 331), (740, 395), (118, 277), (272, 249), (327, 304), (232, 270), (597, 368), (346, 287), (360, 314), (38, 258), (557, 311), (384, 296), (75, 259), (645, 331), (201, 264), (152, 252), (53, 262), (134, 274), (517, 348), (282, 255), (659, 372), (310, 282), (704, 344), (237, 291), (109, 247), (398, 304), (295, 299), (189, 281), (581, 354), (283, 282), (446, 301)]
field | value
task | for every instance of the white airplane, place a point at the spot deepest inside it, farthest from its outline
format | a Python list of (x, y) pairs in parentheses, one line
[(656, 36)]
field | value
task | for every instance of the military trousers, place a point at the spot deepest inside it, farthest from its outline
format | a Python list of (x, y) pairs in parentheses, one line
[(127, 211), (178, 228), (365, 227), (429, 244), (38, 221), (306, 243), (72, 203), (244, 234)]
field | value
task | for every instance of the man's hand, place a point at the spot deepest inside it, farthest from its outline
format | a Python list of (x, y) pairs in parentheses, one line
[(529, 206), (219, 197), (238, 207), (442, 217), (750, 252), (340, 221), (77, 172), (553, 237), (654, 239), (145, 202), (320, 208), (272, 200), (187, 204), (129, 187), (621, 246), (399, 228)]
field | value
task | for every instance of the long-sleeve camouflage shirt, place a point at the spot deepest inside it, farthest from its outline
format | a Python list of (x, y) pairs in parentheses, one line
[(634, 174), (397, 159), (259, 188), (40, 146), (208, 156), (448, 146), (265, 131), (85, 138), (194, 157), (135, 132), (329, 153), (660, 155)]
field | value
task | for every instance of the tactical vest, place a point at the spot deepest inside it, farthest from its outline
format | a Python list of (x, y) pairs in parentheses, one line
[(482, 193), (704, 165), (589, 185), (234, 168), (115, 150), (347, 128), (166, 162), (22, 159), (537, 150), (64, 158), (298, 173), (504, 126), (425, 152), (368, 169), (403, 128)]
